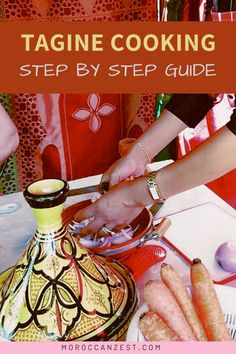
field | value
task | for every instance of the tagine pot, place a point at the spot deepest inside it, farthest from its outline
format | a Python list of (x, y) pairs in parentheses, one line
[(58, 290)]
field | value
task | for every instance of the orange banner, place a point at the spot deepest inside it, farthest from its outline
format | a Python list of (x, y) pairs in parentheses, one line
[(109, 57)]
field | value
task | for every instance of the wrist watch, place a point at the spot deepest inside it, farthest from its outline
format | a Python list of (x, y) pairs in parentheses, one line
[(153, 188)]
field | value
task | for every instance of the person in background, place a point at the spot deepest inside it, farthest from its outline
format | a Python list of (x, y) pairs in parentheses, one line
[(9, 139), (131, 189)]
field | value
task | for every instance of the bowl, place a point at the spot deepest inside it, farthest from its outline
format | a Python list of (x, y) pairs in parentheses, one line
[(226, 296), (142, 225)]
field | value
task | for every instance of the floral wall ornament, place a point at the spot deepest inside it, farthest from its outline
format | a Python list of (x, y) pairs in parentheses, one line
[(94, 112), (42, 6)]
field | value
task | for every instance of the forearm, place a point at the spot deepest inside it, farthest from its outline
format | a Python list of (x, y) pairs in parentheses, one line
[(161, 133), (212, 159), (183, 110)]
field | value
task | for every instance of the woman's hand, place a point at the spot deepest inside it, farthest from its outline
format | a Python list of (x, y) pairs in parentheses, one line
[(153, 140), (117, 208), (131, 166)]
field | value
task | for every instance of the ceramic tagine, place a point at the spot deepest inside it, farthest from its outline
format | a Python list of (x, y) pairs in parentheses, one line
[(58, 290)]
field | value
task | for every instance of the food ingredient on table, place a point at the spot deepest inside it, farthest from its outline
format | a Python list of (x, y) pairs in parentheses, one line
[(154, 329), (160, 300), (173, 281), (170, 301), (207, 303), (96, 241), (226, 256)]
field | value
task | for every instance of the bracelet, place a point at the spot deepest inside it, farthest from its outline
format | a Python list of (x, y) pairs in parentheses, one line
[(154, 189), (142, 148)]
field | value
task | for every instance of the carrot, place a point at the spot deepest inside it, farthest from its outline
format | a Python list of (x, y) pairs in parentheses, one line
[(154, 329), (173, 282), (161, 301), (207, 303)]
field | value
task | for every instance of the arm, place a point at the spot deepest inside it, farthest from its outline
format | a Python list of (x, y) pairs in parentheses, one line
[(210, 160), (161, 133), (181, 111), (125, 201), (156, 137), (8, 135)]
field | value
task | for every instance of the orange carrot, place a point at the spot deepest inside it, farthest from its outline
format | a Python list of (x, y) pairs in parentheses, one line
[(161, 301), (173, 282), (207, 303), (154, 329)]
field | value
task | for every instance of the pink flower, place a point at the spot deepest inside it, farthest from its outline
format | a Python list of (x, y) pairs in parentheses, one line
[(94, 112)]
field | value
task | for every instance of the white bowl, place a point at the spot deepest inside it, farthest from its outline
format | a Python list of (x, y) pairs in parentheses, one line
[(226, 296)]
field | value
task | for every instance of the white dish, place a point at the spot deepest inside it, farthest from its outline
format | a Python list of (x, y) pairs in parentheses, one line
[(226, 296), (198, 232)]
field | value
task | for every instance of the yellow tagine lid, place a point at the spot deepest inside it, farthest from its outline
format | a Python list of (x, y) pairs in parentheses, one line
[(58, 290)]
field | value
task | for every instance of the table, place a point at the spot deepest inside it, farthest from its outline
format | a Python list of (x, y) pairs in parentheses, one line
[(17, 228)]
